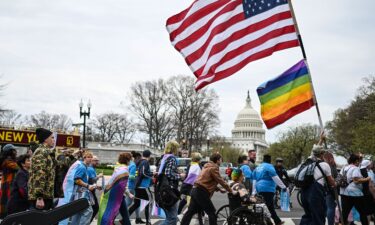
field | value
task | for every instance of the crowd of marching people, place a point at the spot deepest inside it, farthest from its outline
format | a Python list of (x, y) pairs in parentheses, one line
[(42, 180), (336, 195)]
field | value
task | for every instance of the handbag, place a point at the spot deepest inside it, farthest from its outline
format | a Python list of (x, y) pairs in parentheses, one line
[(165, 195)]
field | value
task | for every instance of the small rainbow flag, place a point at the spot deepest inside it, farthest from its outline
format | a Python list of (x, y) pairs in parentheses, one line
[(156, 211), (286, 95)]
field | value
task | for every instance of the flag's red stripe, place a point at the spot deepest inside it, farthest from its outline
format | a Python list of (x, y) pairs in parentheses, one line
[(235, 36), (256, 56), (178, 17), (267, 52), (196, 16), (220, 27), (250, 45), (198, 53), (246, 47), (289, 114)]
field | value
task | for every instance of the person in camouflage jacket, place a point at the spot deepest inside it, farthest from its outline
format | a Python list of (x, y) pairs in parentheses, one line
[(42, 172)]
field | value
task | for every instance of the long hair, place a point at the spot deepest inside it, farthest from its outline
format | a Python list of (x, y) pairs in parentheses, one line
[(328, 158), (4, 156)]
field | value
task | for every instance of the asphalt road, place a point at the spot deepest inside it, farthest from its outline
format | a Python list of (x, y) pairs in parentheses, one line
[(220, 199), (295, 213)]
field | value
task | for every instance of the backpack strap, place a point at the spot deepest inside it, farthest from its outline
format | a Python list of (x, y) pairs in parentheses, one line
[(164, 166), (321, 170), (345, 174)]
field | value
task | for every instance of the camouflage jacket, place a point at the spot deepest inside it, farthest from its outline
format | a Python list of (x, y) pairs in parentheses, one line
[(42, 174)]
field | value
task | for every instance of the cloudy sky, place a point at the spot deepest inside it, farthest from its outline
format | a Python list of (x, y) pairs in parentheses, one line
[(55, 52)]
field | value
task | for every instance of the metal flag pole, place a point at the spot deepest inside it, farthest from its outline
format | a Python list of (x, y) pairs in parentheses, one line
[(307, 65), (314, 96)]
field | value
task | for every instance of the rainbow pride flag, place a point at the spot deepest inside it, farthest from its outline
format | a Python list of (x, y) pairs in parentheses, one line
[(157, 211), (286, 95), (68, 187), (113, 195)]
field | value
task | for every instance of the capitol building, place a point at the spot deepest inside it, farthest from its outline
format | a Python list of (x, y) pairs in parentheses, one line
[(248, 132)]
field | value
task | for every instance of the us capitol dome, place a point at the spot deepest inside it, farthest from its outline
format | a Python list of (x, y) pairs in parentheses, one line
[(248, 132)]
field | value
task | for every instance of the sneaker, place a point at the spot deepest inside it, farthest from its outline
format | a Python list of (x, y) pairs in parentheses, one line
[(282, 222), (139, 221)]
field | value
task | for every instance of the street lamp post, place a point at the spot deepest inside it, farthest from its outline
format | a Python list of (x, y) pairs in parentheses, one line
[(208, 143), (84, 114)]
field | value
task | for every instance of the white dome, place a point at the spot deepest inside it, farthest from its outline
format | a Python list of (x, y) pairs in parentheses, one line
[(248, 113), (248, 120), (248, 117)]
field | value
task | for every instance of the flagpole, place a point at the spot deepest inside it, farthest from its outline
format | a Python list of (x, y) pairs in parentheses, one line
[(307, 65), (312, 86)]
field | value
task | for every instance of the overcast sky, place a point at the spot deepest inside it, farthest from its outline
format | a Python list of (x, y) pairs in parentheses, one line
[(53, 53)]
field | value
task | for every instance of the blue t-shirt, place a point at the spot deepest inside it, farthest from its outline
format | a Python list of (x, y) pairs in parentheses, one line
[(144, 175), (91, 172), (246, 171), (263, 175), (132, 172), (81, 173)]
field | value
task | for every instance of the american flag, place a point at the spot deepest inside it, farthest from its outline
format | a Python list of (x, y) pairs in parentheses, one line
[(219, 37)]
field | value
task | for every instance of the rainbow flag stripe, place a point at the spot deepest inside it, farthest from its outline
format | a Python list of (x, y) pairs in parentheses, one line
[(286, 95)]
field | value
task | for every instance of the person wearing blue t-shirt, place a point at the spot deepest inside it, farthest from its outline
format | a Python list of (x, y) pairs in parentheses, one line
[(142, 185), (131, 184), (243, 163), (93, 178), (265, 179), (82, 189)]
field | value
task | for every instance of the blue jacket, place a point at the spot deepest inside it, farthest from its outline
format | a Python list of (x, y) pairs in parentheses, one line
[(132, 175), (144, 174)]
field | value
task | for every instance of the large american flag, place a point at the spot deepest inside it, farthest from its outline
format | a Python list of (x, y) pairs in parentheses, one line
[(219, 37)]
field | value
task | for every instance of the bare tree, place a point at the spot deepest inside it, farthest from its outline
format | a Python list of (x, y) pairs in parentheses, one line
[(172, 109), (50, 121), (179, 94), (195, 113), (10, 118), (106, 126), (148, 102), (125, 130)]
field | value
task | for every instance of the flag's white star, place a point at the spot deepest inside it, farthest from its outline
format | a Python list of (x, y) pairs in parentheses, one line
[(260, 7), (269, 4)]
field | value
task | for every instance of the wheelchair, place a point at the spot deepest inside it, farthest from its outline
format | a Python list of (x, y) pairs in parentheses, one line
[(236, 213)]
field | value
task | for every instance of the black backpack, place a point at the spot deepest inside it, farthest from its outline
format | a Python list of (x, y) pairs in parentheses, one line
[(165, 195), (305, 174), (342, 179)]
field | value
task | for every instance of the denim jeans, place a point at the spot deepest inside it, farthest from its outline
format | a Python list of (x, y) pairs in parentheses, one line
[(171, 215), (129, 201), (331, 207), (314, 204), (83, 218)]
